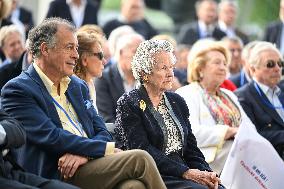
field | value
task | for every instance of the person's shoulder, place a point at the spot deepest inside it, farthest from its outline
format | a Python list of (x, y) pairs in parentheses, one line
[(174, 96), (131, 97), (274, 24), (77, 81), (243, 89), (5, 67), (192, 88), (113, 23), (22, 81), (25, 11), (189, 26)]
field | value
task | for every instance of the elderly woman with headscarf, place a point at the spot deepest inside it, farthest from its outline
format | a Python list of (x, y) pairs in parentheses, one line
[(152, 119), (214, 112)]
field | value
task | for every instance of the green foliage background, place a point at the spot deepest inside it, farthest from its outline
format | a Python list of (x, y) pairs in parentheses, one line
[(252, 13)]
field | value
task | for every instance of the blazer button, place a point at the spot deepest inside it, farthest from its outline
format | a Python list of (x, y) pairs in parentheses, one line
[(269, 125)]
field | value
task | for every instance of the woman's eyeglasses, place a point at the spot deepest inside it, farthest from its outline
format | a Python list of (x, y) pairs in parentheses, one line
[(100, 55), (272, 63)]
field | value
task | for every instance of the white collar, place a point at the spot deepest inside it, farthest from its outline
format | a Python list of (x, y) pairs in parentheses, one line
[(266, 89)]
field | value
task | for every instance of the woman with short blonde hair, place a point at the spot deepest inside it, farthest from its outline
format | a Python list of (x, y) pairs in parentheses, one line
[(214, 112)]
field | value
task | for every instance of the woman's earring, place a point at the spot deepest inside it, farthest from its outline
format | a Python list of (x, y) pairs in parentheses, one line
[(200, 75), (145, 79)]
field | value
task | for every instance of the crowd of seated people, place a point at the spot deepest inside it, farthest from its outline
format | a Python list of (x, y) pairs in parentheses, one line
[(175, 104)]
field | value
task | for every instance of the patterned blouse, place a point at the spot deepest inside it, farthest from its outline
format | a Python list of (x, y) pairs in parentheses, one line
[(174, 143)]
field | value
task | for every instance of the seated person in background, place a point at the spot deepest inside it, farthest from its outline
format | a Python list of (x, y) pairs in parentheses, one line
[(152, 119), (79, 12), (262, 99), (11, 43), (235, 47), (214, 113), (12, 175), (21, 17), (65, 136), (182, 52), (204, 27), (9, 71), (244, 76), (91, 60), (117, 78), (132, 14), (93, 28)]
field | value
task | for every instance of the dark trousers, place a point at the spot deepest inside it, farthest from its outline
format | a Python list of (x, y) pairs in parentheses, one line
[(18, 179)]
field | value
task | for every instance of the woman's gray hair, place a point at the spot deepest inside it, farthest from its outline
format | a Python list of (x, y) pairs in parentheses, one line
[(143, 61), (45, 33), (255, 58)]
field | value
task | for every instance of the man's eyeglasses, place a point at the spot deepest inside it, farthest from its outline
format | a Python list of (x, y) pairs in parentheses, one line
[(100, 55), (272, 63)]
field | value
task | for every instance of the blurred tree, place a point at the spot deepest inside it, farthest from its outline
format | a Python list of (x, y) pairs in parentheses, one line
[(254, 15)]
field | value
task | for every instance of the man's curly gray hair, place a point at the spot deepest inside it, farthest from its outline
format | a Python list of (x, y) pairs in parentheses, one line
[(143, 60)]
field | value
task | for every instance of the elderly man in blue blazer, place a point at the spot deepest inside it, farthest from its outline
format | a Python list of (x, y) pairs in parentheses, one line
[(262, 99), (65, 136)]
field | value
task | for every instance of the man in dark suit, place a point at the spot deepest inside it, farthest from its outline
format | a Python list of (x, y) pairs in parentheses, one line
[(132, 14), (118, 77), (21, 17), (274, 31), (66, 138), (79, 12), (227, 15), (262, 99), (206, 11), (11, 174)]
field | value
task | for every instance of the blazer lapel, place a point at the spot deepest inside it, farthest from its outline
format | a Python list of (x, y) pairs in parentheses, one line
[(259, 99), (75, 98), (52, 112), (152, 114)]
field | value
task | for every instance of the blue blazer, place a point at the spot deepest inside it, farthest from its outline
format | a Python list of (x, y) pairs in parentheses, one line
[(267, 121), (59, 8), (27, 99), (140, 129)]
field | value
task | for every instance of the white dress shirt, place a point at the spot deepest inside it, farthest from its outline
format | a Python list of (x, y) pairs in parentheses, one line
[(272, 95), (77, 12)]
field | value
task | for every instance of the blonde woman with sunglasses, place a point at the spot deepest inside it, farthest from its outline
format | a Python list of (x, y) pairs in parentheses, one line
[(91, 60)]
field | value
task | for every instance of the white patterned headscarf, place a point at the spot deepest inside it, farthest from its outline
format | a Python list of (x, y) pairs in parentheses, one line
[(143, 60)]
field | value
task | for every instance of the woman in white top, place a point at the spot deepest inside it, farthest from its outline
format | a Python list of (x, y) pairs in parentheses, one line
[(215, 113), (91, 60)]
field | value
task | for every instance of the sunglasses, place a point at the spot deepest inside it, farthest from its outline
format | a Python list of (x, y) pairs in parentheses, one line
[(100, 55), (272, 63)]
